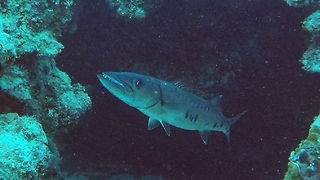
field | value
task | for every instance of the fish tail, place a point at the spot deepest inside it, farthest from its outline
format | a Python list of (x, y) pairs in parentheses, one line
[(233, 120)]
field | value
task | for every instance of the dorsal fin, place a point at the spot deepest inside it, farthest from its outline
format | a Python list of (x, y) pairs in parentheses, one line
[(215, 101)]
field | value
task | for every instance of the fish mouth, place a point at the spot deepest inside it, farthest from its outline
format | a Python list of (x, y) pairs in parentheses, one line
[(109, 80), (113, 80)]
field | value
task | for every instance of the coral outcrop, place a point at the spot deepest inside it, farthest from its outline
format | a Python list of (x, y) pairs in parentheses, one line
[(32, 86), (311, 24), (301, 3), (304, 161), (29, 33), (24, 152), (134, 9), (310, 58)]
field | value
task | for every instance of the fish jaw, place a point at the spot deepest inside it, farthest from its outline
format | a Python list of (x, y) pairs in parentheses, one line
[(116, 86)]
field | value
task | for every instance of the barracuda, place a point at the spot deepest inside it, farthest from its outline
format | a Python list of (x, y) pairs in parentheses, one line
[(168, 104)]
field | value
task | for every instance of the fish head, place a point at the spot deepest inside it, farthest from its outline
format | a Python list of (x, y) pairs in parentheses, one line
[(136, 90)]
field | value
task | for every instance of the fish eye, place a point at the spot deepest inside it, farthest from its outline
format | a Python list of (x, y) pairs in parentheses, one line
[(138, 83)]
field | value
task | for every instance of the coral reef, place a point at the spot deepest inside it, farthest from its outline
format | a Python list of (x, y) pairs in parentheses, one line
[(32, 27), (304, 162), (129, 9), (311, 24), (60, 102), (24, 152), (310, 58), (300, 3), (133, 9), (32, 86), (28, 71)]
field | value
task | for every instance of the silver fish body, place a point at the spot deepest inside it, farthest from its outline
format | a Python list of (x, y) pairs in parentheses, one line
[(167, 104)]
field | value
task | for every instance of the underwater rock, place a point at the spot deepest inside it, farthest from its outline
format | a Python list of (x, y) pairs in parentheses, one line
[(134, 9), (56, 99), (27, 27), (311, 56), (310, 59), (29, 32), (32, 86), (312, 22), (14, 81), (304, 161), (300, 3), (46, 92), (24, 152)]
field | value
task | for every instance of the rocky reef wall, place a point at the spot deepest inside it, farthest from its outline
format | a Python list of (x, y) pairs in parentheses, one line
[(36, 98)]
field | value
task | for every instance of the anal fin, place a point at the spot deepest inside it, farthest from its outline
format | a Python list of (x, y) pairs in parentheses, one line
[(204, 136)]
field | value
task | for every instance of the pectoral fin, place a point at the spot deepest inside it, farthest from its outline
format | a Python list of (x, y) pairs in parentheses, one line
[(166, 127), (154, 123)]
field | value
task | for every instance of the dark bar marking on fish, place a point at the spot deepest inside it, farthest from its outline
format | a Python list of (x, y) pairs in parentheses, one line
[(195, 118), (161, 98), (215, 125), (186, 116), (191, 117)]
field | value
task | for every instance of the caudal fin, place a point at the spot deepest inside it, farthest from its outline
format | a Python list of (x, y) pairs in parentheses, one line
[(235, 118)]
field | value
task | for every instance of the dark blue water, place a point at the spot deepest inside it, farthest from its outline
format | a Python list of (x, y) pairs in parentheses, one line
[(258, 42)]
